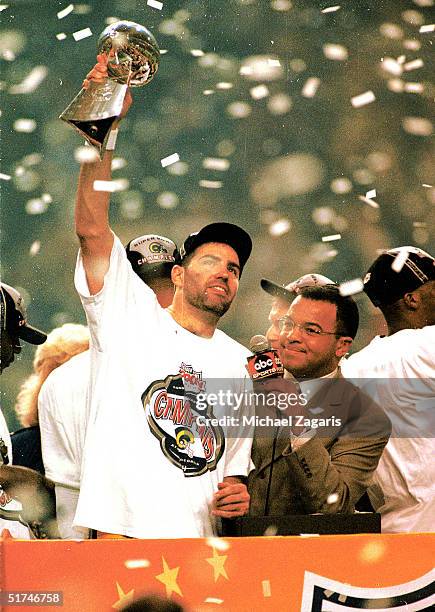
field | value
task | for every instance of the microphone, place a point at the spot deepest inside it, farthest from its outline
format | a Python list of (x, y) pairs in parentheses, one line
[(265, 362)]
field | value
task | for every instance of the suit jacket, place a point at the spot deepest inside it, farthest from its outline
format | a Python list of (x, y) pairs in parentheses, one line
[(339, 460)]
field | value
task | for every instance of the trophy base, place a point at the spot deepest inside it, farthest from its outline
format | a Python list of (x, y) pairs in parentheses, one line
[(95, 132)]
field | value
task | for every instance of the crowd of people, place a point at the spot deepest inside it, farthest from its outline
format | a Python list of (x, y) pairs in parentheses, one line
[(117, 436)]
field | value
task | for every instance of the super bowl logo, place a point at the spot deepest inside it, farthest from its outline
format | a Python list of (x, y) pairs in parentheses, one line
[(182, 428), (321, 594)]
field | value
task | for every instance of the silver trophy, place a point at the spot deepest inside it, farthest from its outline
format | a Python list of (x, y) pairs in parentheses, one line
[(133, 61)]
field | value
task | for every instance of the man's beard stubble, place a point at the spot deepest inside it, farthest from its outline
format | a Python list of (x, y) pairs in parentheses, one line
[(218, 309)]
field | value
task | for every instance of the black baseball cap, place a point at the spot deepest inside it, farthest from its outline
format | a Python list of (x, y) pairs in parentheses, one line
[(14, 317), (225, 233), (396, 272), (288, 292), (151, 256)]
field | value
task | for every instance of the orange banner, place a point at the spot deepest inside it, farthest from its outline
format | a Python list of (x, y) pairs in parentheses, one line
[(323, 573)]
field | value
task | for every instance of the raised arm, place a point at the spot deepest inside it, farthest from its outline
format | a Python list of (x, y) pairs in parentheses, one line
[(92, 207)]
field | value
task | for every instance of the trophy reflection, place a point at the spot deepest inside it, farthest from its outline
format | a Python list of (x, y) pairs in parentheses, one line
[(133, 61)]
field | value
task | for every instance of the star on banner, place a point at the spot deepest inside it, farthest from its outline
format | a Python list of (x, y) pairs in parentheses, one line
[(169, 578), (124, 598), (217, 562)]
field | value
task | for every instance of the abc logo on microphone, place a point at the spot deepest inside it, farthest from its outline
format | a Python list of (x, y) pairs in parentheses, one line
[(266, 364)]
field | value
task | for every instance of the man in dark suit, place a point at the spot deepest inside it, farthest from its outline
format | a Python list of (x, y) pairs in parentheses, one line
[(322, 457)]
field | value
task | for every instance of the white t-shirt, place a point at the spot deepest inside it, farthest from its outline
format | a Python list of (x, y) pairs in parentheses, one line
[(150, 467), (402, 367), (63, 418), (10, 509)]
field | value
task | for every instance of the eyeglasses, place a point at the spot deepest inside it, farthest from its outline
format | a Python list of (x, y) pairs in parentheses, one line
[(309, 330)]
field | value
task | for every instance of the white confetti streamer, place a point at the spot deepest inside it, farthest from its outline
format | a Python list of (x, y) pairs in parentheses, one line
[(414, 88), (24, 125), (210, 184), (155, 4), (111, 186), (214, 600), (171, 159), (368, 201), (392, 66), (309, 535), (5, 177), (399, 260), (224, 85), (280, 227), (35, 248), (335, 52), (136, 563), (61, 36), (351, 287), (31, 81), (427, 185), (371, 194), (197, 52), (259, 91), (419, 126), (427, 28), (331, 9), (219, 543), (310, 87), (81, 34), (331, 237), (362, 99), (267, 591), (417, 63), (216, 163), (66, 11), (85, 155)]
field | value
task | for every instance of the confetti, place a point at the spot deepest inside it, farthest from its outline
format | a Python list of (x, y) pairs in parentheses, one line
[(216, 163), (85, 154), (392, 66), (66, 11), (111, 186), (371, 194), (36, 206), (427, 28), (427, 185), (419, 224), (335, 52), (417, 63), (224, 85), (25, 125), (330, 9), (274, 62), (197, 52), (61, 36), (136, 563), (5, 177), (208, 92), (259, 92), (331, 237), (35, 248), (155, 4), (368, 201), (332, 499), (31, 81), (399, 260), (414, 87), (214, 600), (171, 159), (219, 543), (81, 34), (210, 184), (267, 591), (270, 531), (280, 227), (310, 87), (419, 126), (351, 287), (309, 535), (362, 99)]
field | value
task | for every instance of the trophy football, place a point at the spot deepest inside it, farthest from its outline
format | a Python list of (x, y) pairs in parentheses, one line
[(133, 61)]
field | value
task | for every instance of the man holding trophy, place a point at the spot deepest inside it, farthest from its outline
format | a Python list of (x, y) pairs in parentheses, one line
[(151, 469)]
